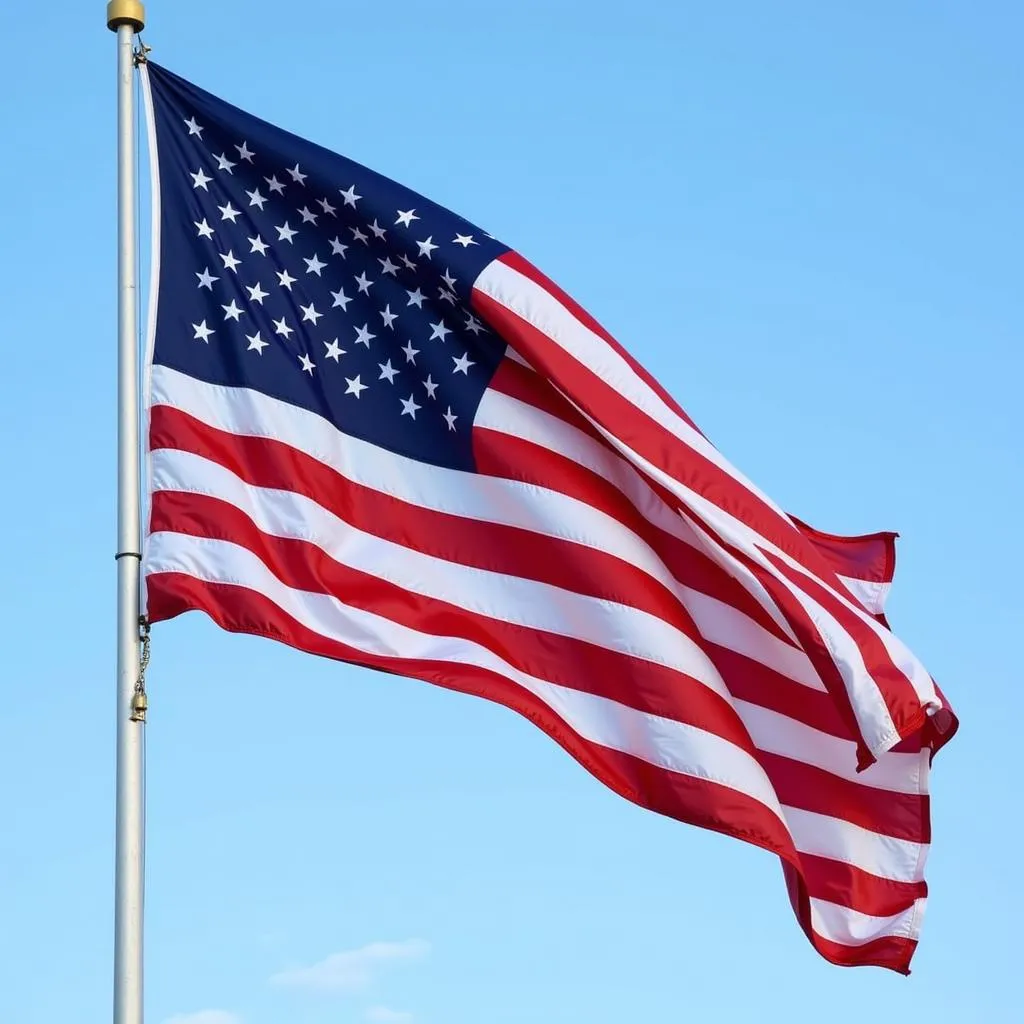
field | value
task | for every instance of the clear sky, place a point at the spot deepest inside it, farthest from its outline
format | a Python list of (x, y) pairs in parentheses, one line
[(806, 219)]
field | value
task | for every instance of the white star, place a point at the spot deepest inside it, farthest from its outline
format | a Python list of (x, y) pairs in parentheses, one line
[(274, 185), (355, 386), (410, 264), (464, 240), (341, 299), (360, 237), (245, 153), (286, 280), (206, 279), (256, 343), (228, 212), (446, 296), (280, 327), (474, 325), (410, 352), (377, 230), (307, 215), (406, 217), (363, 335), (202, 332), (439, 330), (448, 279), (338, 247), (224, 164), (297, 176), (309, 313), (194, 128), (416, 298), (205, 231), (232, 312), (427, 246), (364, 283), (200, 180), (256, 293), (387, 372), (430, 386), (389, 317), (314, 266), (350, 196), (387, 267), (334, 351), (307, 364), (285, 233), (462, 365), (230, 263), (409, 406), (450, 418), (327, 208), (256, 198), (258, 245)]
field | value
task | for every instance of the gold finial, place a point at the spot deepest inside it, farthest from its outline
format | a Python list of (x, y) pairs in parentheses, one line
[(126, 12)]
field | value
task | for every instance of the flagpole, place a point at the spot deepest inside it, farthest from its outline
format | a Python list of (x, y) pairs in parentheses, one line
[(126, 17)]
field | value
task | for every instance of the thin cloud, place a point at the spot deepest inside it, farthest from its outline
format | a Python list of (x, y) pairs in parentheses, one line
[(385, 1015), (205, 1017), (351, 970)]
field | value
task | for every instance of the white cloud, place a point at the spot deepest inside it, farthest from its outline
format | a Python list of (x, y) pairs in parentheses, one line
[(205, 1017), (385, 1015), (351, 970)]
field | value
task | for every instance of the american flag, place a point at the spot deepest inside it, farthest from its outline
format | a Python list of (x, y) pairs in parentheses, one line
[(378, 434)]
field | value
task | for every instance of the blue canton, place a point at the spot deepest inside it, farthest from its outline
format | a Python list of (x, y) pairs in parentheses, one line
[(293, 271)]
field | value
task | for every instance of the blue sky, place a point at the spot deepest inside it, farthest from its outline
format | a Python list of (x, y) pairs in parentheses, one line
[(806, 220)]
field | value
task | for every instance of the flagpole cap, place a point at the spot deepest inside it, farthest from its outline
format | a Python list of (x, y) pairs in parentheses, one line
[(126, 12)]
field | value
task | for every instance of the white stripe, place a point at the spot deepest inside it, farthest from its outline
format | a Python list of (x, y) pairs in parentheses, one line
[(852, 928), (776, 733), (538, 307), (822, 835), (871, 593), (719, 622), (474, 496), (659, 741), (869, 706), (522, 602)]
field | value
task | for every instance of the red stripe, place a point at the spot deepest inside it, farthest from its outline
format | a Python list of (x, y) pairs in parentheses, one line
[(558, 561), (797, 784), (889, 951), (649, 438), (511, 458), (528, 386), (559, 659), (566, 661), (527, 269), (584, 570), (695, 801), (869, 556), (846, 885), (902, 700)]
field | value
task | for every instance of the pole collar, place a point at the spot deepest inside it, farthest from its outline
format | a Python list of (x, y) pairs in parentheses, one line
[(126, 12)]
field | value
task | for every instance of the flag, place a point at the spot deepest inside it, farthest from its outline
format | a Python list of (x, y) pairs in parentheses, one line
[(378, 434)]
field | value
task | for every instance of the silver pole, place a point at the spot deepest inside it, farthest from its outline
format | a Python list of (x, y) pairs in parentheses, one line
[(126, 18)]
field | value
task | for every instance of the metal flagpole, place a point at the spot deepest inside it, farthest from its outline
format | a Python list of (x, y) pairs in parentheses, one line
[(126, 17)]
